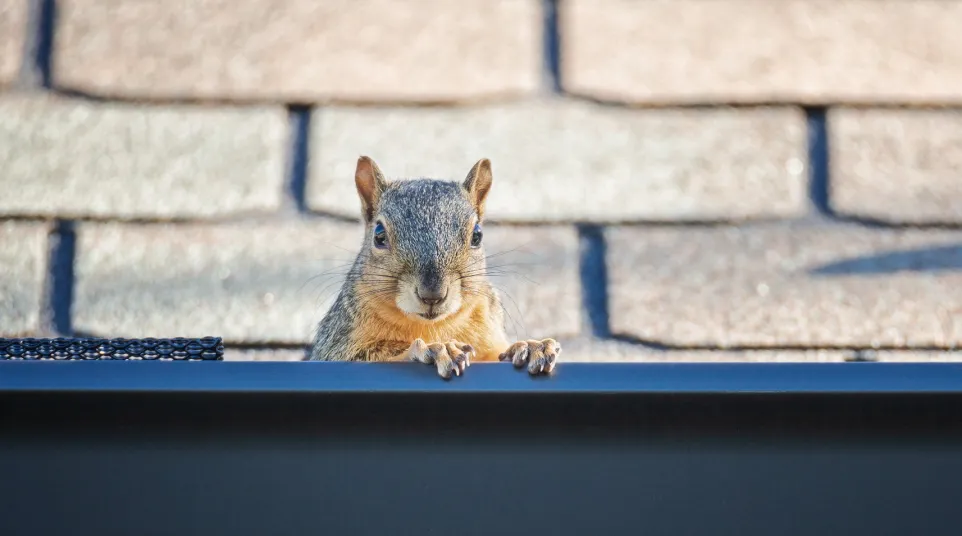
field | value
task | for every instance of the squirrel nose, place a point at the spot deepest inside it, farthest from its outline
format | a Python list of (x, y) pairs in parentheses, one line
[(431, 297)]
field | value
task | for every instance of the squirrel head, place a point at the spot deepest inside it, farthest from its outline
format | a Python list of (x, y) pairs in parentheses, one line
[(423, 250)]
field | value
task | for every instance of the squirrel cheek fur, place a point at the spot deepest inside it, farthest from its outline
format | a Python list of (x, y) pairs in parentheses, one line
[(418, 289)]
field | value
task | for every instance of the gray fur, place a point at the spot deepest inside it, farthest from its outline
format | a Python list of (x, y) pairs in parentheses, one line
[(428, 218), (332, 338), (427, 223)]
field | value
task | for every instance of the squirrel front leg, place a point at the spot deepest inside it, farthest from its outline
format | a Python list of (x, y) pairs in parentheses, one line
[(540, 356), (450, 358)]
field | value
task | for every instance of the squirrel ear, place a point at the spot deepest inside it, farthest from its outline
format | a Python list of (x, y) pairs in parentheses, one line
[(478, 184), (370, 184)]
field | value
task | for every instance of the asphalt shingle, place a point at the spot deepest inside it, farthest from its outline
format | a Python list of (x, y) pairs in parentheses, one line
[(570, 161), (750, 51), (76, 158), (300, 50), (242, 354), (252, 283), (897, 165), (13, 30), (919, 357), (535, 270), (23, 256), (787, 286), (614, 351)]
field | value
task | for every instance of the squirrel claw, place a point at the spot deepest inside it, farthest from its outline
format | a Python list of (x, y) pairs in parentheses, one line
[(540, 356), (450, 358)]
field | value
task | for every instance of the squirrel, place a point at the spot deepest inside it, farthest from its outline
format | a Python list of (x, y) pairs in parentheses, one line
[(418, 290)]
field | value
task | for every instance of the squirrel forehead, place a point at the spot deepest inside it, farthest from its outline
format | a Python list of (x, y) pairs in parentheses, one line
[(428, 219), (426, 203)]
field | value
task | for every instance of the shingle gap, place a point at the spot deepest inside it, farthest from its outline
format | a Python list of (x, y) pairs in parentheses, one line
[(300, 125), (594, 279), (818, 154), (552, 47), (59, 286)]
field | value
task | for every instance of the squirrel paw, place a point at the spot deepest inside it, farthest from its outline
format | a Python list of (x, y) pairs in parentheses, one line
[(451, 358), (540, 356)]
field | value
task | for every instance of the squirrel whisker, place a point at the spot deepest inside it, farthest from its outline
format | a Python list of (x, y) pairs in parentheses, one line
[(516, 325), (372, 294), (498, 254), (481, 275), (341, 271)]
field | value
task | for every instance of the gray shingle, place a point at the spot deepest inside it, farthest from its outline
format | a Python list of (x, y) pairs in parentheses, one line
[(749, 51), (918, 356), (13, 30), (78, 158), (569, 160), (23, 256), (897, 165), (536, 272), (283, 354), (300, 50), (608, 351), (245, 282), (787, 286)]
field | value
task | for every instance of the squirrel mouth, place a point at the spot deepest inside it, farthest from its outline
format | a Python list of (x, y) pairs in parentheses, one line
[(430, 315)]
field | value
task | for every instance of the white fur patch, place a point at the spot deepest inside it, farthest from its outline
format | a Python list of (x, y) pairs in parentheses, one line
[(407, 301)]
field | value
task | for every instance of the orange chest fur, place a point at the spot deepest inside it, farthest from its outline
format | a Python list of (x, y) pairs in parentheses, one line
[(471, 326)]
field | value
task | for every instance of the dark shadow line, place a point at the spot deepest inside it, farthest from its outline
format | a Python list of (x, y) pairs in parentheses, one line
[(552, 46), (644, 343), (59, 289), (818, 155), (930, 259), (44, 49), (300, 125), (593, 274)]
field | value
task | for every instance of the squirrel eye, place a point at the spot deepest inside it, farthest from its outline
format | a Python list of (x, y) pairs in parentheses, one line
[(476, 236), (380, 236)]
